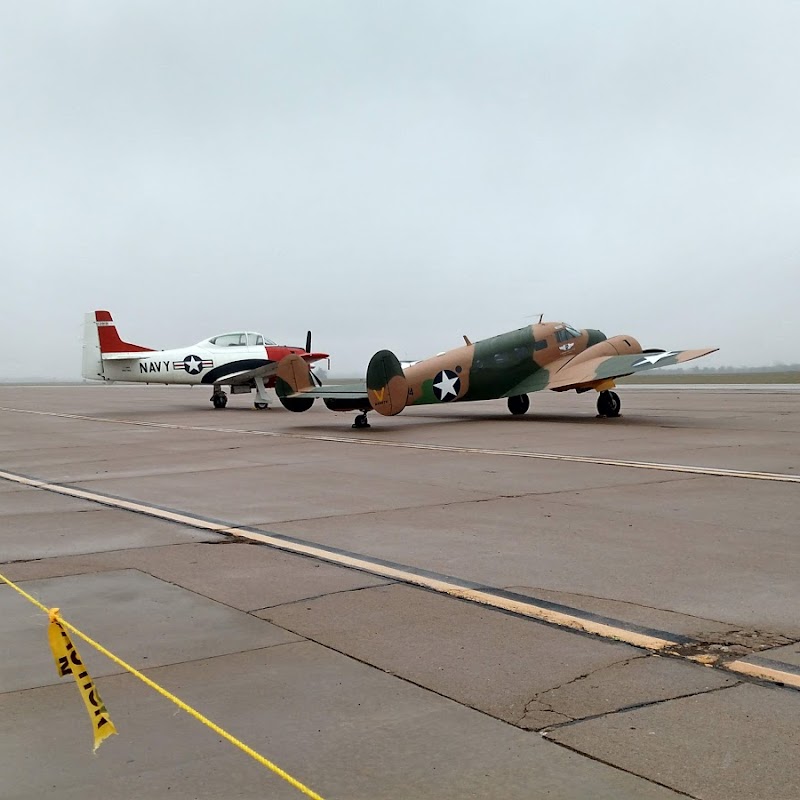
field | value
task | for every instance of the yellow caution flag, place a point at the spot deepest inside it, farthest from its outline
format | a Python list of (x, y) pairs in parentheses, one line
[(68, 662)]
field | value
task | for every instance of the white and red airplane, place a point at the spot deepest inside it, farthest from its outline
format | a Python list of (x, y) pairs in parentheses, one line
[(242, 360)]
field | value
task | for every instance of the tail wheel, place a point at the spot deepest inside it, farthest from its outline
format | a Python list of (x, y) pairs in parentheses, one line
[(519, 404), (608, 404)]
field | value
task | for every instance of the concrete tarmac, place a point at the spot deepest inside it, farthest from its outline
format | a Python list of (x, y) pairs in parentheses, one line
[(676, 522)]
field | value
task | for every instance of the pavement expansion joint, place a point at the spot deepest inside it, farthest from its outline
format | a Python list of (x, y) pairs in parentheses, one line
[(632, 773), (636, 706), (617, 601), (313, 597)]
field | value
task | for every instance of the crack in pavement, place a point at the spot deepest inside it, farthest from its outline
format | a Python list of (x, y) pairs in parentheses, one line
[(548, 707), (546, 730)]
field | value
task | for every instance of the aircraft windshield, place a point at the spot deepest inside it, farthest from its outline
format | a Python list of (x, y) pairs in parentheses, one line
[(244, 339), (230, 340), (566, 333)]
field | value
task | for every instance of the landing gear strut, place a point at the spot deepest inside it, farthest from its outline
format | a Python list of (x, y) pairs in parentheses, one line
[(608, 404), (261, 402), (361, 421), (219, 398), (519, 403)]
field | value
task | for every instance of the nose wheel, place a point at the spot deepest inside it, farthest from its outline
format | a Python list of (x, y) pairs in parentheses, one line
[(361, 421), (608, 404)]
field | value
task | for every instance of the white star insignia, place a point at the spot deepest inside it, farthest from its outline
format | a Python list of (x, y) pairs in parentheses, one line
[(446, 386), (654, 358)]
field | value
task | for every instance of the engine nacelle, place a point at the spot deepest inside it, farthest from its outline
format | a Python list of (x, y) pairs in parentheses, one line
[(297, 404), (615, 346)]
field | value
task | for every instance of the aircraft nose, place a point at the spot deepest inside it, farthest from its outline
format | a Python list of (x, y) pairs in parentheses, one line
[(595, 336)]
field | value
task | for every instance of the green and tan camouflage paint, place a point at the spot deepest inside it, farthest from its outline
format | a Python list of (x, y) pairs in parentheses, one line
[(492, 367), (547, 355)]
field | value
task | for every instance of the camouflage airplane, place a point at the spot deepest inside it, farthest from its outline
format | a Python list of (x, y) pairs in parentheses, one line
[(546, 355)]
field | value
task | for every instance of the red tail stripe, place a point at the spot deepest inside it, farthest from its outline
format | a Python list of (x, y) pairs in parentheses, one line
[(109, 338)]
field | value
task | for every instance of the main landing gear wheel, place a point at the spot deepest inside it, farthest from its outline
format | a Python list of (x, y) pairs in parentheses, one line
[(519, 403), (260, 406), (608, 404), (219, 398), (361, 421)]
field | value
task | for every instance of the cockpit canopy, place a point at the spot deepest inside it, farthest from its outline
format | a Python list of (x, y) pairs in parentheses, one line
[(566, 333), (240, 339)]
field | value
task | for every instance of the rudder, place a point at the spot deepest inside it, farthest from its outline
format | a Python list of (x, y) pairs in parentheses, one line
[(92, 364)]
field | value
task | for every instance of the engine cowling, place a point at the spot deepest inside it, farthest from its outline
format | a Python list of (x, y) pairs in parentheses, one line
[(615, 346)]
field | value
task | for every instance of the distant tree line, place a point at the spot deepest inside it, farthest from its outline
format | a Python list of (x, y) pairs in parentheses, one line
[(779, 367)]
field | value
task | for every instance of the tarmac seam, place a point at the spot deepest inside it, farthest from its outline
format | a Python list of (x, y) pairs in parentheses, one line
[(625, 602), (547, 729), (606, 763), (311, 598)]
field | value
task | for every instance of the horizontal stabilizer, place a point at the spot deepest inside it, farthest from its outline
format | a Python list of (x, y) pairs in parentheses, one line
[(293, 376), (387, 387)]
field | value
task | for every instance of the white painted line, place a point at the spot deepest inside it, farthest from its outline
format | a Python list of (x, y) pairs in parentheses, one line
[(439, 585), (607, 462), (363, 563)]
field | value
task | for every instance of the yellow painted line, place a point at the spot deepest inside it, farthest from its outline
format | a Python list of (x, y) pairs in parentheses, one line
[(437, 584), (764, 673), (686, 469), (265, 762)]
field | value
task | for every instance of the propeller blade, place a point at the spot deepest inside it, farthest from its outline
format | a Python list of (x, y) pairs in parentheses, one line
[(308, 342)]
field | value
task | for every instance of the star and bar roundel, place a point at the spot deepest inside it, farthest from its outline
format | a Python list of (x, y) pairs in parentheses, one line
[(446, 386), (194, 365)]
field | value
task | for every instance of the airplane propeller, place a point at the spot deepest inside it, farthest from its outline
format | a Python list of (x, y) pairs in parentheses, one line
[(308, 342)]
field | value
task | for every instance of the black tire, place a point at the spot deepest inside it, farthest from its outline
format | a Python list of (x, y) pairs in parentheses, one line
[(361, 421), (220, 400), (608, 404), (260, 406), (297, 404), (519, 404)]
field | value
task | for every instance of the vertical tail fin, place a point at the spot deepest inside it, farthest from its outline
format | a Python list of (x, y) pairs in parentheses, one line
[(92, 366), (109, 338)]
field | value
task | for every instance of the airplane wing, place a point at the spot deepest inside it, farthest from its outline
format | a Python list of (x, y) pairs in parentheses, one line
[(564, 374), (332, 391), (267, 370)]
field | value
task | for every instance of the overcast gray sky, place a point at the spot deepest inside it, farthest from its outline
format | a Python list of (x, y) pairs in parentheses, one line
[(395, 174)]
